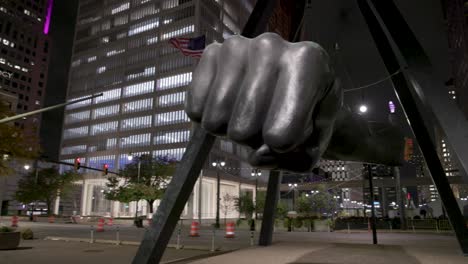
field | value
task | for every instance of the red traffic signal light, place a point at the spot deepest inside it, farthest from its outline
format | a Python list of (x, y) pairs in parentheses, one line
[(105, 168), (77, 163)]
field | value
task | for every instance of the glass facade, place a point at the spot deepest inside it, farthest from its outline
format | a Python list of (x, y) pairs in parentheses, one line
[(121, 50)]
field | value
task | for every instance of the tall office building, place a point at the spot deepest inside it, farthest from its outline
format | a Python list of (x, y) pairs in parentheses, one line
[(457, 27), (24, 55), (122, 50)]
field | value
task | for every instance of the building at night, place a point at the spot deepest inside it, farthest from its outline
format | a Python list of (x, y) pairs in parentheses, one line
[(24, 56), (122, 50)]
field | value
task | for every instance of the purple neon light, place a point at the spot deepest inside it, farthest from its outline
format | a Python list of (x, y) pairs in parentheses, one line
[(48, 17), (392, 107)]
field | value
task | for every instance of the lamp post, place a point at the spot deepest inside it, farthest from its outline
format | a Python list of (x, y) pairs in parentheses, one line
[(130, 158), (293, 186), (218, 165), (256, 173)]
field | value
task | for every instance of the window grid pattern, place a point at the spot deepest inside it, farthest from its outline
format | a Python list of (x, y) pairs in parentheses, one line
[(104, 128), (109, 95), (170, 137), (75, 132), (171, 99), (136, 140), (144, 26), (137, 106), (139, 88), (73, 149), (136, 123), (174, 81), (170, 118), (106, 111), (176, 153), (77, 117)]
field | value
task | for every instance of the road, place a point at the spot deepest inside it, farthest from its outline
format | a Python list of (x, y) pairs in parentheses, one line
[(131, 233)]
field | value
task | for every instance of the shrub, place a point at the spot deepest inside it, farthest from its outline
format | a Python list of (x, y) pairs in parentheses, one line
[(5, 229), (286, 222), (238, 222), (27, 234), (297, 222)]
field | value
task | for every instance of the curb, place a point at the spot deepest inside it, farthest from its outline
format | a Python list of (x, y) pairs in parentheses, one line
[(129, 243)]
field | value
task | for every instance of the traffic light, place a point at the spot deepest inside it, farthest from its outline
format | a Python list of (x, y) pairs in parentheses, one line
[(77, 164), (105, 169)]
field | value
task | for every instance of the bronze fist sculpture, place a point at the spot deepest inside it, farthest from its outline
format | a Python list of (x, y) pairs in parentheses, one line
[(283, 101)]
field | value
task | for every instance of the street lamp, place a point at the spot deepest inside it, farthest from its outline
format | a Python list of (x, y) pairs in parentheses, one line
[(26, 167), (218, 165), (363, 108), (130, 158), (293, 186), (256, 173)]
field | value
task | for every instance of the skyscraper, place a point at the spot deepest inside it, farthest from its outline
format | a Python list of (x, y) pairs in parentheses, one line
[(24, 55), (122, 49)]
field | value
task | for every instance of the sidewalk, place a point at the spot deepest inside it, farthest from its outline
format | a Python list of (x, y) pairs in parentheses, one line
[(349, 249), (46, 252)]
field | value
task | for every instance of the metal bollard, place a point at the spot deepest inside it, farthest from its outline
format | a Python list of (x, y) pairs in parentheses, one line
[(251, 238), (412, 223), (437, 227), (213, 240), (349, 231), (391, 228), (117, 236), (92, 235), (178, 239)]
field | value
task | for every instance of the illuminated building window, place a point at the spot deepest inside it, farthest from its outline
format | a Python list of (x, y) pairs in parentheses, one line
[(106, 111), (120, 8), (73, 149), (144, 26), (75, 132), (77, 117), (109, 95), (178, 32), (171, 99), (172, 153), (139, 88), (140, 105), (91, 59), (169, 137), (167, 4), (139, 73), (136, 122), (169, 118), (104, 128), (136, 140), (174, 81), (101, 69)]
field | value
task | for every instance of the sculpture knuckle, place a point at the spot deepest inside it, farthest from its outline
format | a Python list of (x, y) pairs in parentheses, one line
[(279, 141)]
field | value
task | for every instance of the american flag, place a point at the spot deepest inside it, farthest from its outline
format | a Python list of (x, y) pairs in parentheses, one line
[(192, 47)]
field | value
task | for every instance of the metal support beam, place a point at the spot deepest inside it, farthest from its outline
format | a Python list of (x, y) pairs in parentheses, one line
[(383, 22), (176, 196), (271, 201)]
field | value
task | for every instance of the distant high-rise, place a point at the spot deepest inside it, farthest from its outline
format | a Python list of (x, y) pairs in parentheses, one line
[(24, 55), (457, 25)]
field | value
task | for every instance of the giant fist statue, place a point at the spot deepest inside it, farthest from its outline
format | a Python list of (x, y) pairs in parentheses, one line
[(284, 101)]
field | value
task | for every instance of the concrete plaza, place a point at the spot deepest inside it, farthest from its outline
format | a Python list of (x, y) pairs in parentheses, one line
[(288, 247)]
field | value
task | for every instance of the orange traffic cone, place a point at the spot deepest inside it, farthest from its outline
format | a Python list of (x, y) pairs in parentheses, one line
[(230, 230), (14, 221), (194, 229), (110, 222), (100, 225)]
